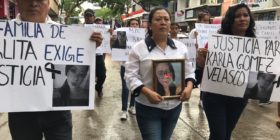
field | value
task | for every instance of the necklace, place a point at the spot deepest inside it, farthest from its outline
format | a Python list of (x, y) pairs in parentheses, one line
[(162, 50)]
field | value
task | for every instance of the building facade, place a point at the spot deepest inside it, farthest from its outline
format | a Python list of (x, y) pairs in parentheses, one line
[(265, 9), (186, 10), (8, 9), (137, 11)]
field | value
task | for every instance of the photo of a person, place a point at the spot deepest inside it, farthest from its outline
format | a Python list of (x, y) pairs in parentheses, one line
[(261, 90), (72, 93), (120, 41), (165, 75)]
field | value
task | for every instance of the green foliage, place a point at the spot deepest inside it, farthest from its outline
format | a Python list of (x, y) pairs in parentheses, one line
[(111, 8), (104, 13), (146, 3), (118, 7), (73, 8)]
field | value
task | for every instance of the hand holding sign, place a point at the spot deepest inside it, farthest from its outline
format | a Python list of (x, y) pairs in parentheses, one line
[(201, 56), (97, 37)]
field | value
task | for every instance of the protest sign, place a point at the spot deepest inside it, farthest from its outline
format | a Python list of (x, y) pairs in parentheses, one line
[(236, 65), (204, 31), (45, 67), (190, 44), (268, 29), (104, 30), (125, 39)]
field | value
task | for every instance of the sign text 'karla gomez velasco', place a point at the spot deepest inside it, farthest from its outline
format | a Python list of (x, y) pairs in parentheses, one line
[(232, 59)]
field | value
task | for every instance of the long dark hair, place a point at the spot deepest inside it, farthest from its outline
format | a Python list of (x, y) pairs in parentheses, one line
[(65, 89), (151, 15), (228, 21), (172, 86), (202, 14)]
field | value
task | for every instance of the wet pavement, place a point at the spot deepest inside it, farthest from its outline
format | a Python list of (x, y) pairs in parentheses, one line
[(103, 123)]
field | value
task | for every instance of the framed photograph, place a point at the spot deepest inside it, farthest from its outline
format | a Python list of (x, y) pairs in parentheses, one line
[(169, 77)]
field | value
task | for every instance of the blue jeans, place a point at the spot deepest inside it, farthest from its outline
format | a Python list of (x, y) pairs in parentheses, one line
[(54, 125), (222, 112), (125, 92), (155, 123)]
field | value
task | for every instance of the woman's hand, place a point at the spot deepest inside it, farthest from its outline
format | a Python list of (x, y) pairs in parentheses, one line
[(186, 94), (201, 57), (195, 34), (97, 37), (152, 96)]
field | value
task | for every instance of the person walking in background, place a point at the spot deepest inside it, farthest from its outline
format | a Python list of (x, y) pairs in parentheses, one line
[(202, 17), (98, 20), (52, 125), (174, 30), (100, 69), (156, 117), (134, 23), (223, 112)]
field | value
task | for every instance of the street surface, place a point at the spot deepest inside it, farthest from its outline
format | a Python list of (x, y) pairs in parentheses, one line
[(103, 123)]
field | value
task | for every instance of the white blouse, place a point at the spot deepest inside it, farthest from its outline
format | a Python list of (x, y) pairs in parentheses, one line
[(138, 69)]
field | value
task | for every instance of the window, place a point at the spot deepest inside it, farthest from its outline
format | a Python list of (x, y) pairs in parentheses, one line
[(214, 10), (187, 3), (202, 1), (267, 16), (175, 6)]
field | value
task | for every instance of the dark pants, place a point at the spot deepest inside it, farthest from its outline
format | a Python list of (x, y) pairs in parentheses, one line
[(155, 123), (53, 125), (222, 113), (278, 108), (198, 77), (125, 92), (100, 71)]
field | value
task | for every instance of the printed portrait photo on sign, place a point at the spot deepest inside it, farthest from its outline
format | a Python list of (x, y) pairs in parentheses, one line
[(120, 41), (168, 77), (260, 86), (71, 87)]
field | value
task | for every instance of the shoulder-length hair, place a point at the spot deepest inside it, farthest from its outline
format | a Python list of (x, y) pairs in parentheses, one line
[(202, 14), (133, 19), (229, 18), (151, 15)]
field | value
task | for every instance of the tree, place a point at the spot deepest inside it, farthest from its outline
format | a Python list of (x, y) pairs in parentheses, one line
[(145, 4), (105, 13), (118, 7), (73, 7)]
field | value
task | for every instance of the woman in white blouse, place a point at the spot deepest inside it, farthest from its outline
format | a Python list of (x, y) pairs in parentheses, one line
[(156, 117)]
